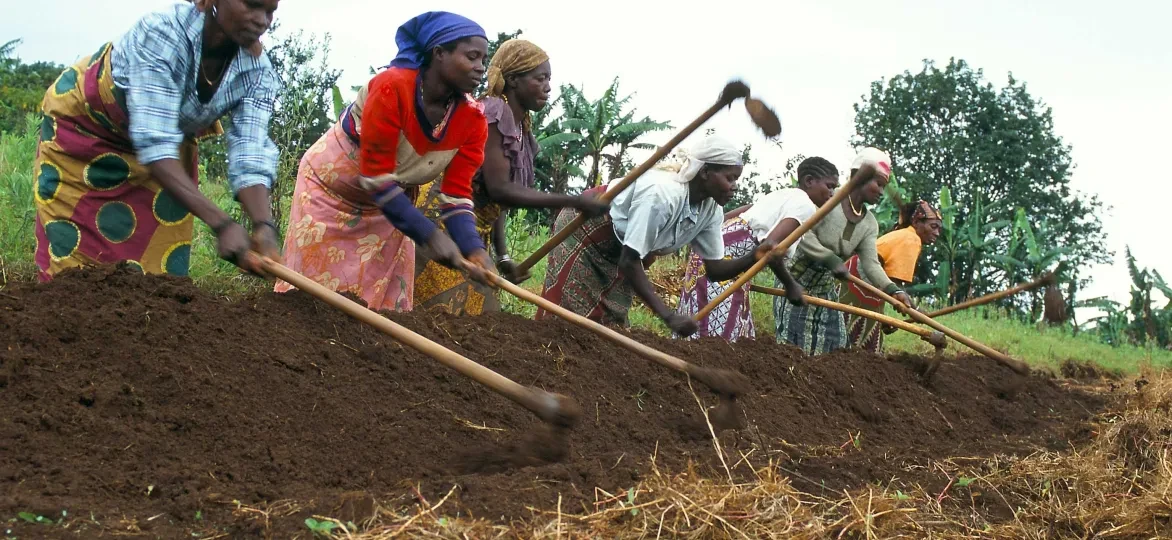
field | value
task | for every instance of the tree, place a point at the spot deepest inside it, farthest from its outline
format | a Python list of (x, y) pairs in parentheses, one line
[(493, 45), (302, 111), (22, 86), (752, 184), (996, 151), (607, 130)]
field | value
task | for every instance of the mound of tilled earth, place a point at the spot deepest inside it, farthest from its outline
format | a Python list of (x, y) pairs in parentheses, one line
[(125, 398)]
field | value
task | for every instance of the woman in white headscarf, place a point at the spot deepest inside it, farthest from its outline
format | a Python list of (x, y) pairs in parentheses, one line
[(597, 271)]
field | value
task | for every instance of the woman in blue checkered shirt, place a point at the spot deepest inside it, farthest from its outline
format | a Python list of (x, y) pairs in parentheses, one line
[(116, 163)]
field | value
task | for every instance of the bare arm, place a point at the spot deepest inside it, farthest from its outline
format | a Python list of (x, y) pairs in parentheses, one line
[(499, 237), (179, 185), (501, 190), (631, 267), (726, 269)]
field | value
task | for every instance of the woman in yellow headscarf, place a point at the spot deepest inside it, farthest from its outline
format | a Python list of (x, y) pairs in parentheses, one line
[(518, 83)]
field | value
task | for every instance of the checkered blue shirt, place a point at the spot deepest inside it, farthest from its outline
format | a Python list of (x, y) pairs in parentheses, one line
[(157, 64)]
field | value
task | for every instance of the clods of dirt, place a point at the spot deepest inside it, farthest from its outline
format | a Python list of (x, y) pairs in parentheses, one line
[(128, 397)]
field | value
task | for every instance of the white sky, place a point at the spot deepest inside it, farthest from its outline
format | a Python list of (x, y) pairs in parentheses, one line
[(1105, 68)]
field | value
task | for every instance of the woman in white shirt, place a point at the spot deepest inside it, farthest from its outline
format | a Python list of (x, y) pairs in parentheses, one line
[(597, 271), (769, 220)]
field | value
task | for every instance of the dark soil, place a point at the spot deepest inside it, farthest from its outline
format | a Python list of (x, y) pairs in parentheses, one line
[(144, 402)]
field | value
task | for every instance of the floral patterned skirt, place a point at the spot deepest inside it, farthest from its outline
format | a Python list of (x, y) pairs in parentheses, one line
[(339, 238)]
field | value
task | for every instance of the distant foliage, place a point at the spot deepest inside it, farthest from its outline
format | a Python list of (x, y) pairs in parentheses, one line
[(22, 86), (1010, 208), (1143, 321)]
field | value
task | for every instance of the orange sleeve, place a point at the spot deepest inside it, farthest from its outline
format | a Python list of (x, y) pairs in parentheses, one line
[(457, 180), (899, 251), (381, 126)]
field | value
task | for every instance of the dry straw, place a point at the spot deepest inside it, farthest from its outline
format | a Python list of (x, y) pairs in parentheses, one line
[(1117, 484)]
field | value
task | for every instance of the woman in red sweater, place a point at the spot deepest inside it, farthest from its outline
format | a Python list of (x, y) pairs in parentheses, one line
[(353, 223)]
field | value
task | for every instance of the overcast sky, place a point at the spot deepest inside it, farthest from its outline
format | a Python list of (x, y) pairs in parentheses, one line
[(1105, 69)]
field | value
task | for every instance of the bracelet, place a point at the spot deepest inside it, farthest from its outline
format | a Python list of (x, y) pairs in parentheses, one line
[(504, 258), (266, 223)]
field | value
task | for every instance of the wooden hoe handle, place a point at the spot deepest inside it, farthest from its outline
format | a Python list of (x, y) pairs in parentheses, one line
[(524, 396), (853, 310), (617, 337), (1012, 363), (725, 100), (1046, 279)]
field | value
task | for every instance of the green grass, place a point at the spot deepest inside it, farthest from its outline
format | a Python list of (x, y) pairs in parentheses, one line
[(1039, 345), (17, 215)]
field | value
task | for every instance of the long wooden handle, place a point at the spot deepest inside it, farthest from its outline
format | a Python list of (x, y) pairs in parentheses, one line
[(1012, 363), (853, 310), (822, 212), (500, 384), (992, 297), (620, 339), (627, 180)]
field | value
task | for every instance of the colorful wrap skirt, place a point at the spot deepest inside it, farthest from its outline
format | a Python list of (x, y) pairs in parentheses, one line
[(338, 237), (441, 288), (731, 319), (95, 203), (583, 272), (862, 333)]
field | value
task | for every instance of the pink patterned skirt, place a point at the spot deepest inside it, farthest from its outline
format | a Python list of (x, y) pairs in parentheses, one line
[(339, 238)]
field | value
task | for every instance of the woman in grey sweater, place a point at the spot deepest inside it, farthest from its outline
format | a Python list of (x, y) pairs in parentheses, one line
[(847, 230)]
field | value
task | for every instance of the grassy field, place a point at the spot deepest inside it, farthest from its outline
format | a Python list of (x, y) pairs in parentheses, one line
[(1041, 347)]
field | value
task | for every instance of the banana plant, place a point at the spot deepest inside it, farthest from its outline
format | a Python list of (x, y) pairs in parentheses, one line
[(339, 103), (1111, 326), (961, 247)]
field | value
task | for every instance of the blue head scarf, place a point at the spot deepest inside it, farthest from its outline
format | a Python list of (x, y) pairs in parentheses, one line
[(421, 34)]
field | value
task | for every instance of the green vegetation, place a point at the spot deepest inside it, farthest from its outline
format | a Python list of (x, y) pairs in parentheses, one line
[(17, 242), (21, 86), (996, 151), (1002, 233), (1039, 345)]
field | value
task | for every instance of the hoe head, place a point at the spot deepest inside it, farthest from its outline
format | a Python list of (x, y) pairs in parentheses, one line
[(764, 117), (728, 385), (557, 410), (761, 114), (933, 363)]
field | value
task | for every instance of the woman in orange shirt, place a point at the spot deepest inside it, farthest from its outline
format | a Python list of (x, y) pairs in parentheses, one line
[(919, 225)]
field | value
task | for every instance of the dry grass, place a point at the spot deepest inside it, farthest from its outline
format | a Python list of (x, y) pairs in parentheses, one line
[(1115, 484)]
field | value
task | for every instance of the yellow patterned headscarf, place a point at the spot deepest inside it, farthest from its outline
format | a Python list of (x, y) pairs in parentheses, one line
[(514, 56)]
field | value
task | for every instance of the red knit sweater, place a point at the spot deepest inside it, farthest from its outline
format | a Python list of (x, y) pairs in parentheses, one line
[(395, 145)]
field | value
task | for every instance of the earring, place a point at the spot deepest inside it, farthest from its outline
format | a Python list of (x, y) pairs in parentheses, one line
[(215, 13)]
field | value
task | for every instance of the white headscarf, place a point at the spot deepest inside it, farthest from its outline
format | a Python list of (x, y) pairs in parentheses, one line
[(874, 156), (711, 149)]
